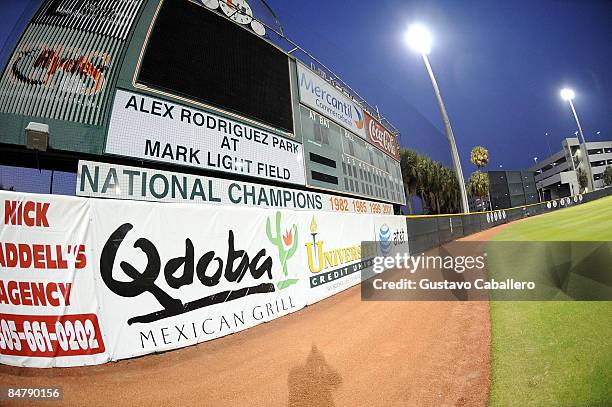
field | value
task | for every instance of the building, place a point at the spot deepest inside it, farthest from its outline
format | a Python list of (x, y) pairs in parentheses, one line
[(556, 175), (508, 189)]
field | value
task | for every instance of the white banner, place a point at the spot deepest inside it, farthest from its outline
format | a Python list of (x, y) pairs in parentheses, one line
[(103, 180), (209, 272), (157, 130), (332, 252), (84, 281), (48, 302), (321, 96)]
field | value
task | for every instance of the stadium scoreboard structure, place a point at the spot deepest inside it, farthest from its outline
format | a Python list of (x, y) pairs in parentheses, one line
[(339, 160), (193, 85)]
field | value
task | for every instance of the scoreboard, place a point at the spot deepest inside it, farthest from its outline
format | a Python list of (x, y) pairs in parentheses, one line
[(339, 160), (210, 59), (343, 144)]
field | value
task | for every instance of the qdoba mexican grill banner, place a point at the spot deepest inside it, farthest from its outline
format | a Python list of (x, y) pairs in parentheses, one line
[(172, 275), (48, 305)]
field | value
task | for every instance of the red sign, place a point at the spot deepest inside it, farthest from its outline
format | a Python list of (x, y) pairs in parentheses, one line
[(50, 336), (381, 137), (72, 69)]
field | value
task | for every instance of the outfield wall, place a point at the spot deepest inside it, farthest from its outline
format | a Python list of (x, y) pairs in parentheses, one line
[(426, 231), (85, 281)]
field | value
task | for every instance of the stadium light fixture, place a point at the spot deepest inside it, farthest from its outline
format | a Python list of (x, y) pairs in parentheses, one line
[(568, 95), (419, 39)]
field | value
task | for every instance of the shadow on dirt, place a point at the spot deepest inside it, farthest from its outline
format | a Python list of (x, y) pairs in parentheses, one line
[(313, 383)]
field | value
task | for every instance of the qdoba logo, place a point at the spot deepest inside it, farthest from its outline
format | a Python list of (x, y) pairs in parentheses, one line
[(235, 266)]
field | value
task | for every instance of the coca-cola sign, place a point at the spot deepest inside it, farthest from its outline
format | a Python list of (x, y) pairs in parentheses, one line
[(381, 137)]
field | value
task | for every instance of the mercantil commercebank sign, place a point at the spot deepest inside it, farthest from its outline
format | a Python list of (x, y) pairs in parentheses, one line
[(316, 93)]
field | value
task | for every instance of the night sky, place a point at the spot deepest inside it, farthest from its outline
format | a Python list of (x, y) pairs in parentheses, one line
[(500, 66)]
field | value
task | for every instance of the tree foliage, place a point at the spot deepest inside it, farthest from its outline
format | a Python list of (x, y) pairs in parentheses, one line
[(435, 184), (478, 184), (479, 157), (607, 176), (583, 180)]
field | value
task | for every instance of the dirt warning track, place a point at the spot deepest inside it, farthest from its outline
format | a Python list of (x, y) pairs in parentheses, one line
[(340, 351)]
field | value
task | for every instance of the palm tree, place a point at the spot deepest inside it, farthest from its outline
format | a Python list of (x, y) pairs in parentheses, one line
[(450, 190), (435, 184), (408, 164), (583, 181), (607, 176), (479, 184), (479, 157)]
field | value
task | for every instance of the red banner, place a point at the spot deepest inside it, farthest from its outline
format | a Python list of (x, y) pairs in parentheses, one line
[(381, 137)]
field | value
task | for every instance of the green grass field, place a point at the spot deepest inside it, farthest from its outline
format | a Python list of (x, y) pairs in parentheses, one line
[(554, 353)]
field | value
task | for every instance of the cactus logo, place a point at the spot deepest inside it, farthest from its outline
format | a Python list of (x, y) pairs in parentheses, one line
[(384, 239), (286, 243), (359, 121)]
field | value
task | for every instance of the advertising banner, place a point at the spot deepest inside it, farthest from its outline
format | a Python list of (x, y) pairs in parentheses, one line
[(48, 303), (381, 137), (157, 130), (332, 252), (85, 281), (174, 275), (60, 73), (318, 94), (66, 57), (103, 180)]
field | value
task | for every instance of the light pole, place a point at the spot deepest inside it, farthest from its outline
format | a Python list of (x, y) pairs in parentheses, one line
[(548, 144), (568, 95), (419, 39), (540, 171)]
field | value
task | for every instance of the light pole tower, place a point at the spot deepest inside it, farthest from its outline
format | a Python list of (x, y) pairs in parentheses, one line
[(419, 39), (568, 95)]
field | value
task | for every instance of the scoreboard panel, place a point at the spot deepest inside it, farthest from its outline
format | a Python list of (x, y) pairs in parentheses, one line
[(339, 160), (194, 52)]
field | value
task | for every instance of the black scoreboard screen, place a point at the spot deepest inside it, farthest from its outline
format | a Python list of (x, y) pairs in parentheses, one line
[(196, 53)]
